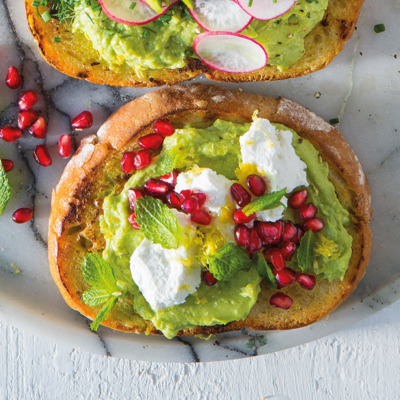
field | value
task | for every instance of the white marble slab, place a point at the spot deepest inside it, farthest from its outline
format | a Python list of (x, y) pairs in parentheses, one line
[(361, 87)]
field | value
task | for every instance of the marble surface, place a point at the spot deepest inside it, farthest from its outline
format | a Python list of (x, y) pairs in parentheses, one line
[(361, 87)]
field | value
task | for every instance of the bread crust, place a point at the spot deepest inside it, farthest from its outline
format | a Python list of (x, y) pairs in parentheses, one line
[(74, 198), (322, 44)]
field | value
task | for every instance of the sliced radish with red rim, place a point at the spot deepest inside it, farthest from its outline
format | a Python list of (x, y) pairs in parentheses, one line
[(266, 9), (220, 15), (230, 52)]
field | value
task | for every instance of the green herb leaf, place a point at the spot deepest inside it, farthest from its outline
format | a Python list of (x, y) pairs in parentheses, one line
[(4, 189), (95, 297), (305, 251), (266, 202), (265, 271), (379, 28), (226, 262), (104, 311), (157, 222)]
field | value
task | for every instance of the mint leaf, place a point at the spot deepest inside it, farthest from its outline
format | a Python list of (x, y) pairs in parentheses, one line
[(157, 222), (4, 189), (104, 311), (305, 251), (95, 297), (227, 261), (265, 271), (266, 202)]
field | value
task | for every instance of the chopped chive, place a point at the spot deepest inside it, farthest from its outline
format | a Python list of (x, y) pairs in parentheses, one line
[(250, 3), (46, 16), (379, 28), (36, 3), (57, 39), (132, 6), (334, 121)]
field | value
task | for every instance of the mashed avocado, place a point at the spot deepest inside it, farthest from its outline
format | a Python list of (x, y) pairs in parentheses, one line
[(217, 147), (167, 41)]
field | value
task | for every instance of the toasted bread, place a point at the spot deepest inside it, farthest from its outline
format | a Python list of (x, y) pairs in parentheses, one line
[(75, 56), (77, 200)]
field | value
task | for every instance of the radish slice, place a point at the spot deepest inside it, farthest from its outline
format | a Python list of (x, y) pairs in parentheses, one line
[(220, 15), (120, 11), (266, 9), (230, 52)]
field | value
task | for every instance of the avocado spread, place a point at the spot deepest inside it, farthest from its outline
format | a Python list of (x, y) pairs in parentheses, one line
[(217, 147), (167, 41)]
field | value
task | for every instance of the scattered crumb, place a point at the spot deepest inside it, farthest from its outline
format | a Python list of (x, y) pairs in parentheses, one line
[(317, 95), (15, 268)]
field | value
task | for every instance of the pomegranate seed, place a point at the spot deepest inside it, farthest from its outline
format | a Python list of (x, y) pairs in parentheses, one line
[(42, 156), (240, 195), (201, 197), (10, 134), (255, 242), (39, 128), (268, 231), (299, 234), (132, 221), (8, 165), (288, 249), (150, 142), (306, 281), (289, 231), (281, 300), (27, 100), (133, 195), (65, 146), (242, 235), (275, 257), (297, 199), (156, 188), (201, 217), (256, 184), (13, 79), (286, 276), (84, 120), (174, 199), (26, 118), (191, 205), (240, 217), (315, 224), (185, 194), (128, 162), (307, 211), (142, 159), (170, 178), (22, 215), (163, 127), (209, 279)]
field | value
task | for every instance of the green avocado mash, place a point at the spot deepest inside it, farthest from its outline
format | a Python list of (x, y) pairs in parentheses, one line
[(218, 147), (167, 41)]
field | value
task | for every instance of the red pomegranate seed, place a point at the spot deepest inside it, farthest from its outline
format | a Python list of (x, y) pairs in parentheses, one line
[(13, 79), (307, 211), (84, 120), (240, 195), (281, 300), (299, 234), (170, 178), (132, 221), (297, 199), (289, 231), (39, 128), (150, 142), (201, 197), (65, 146), (22, 215), (209, 279), (174, 199), (156, 188), (26, 118), (142, 159), (185, 194), (191, 205), (256, 184), (10, 134), (128, 162), (163, 127), (42, 156), (242, 235), (306, 281), (275, 257), (286, 276), (255, 242), (315, 224), (268, 231), (8, 165), (133, 195), (27, 100), (201, 217), (288, 249), (240, 217)]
